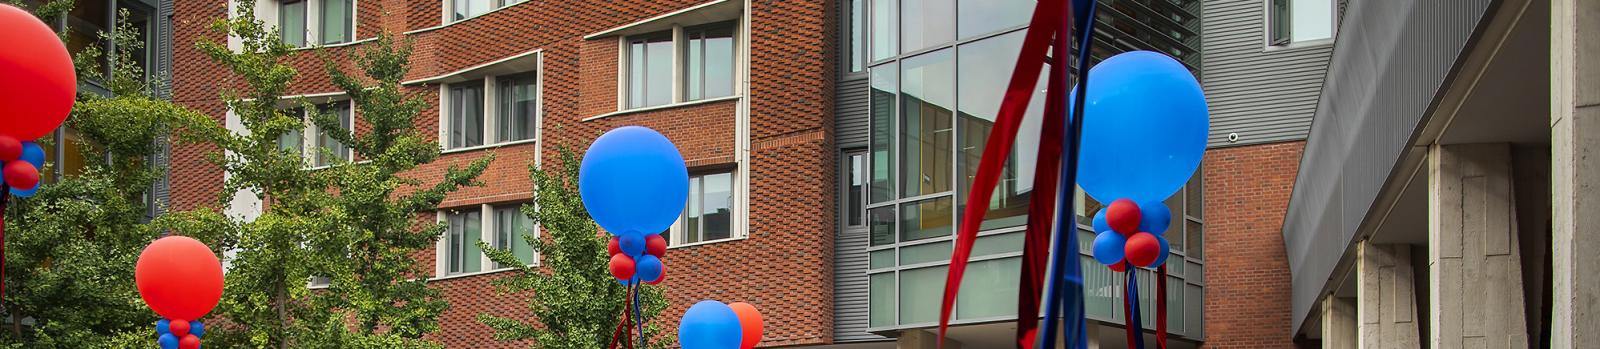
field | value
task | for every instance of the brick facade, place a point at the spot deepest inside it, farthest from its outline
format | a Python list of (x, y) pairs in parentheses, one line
[(783, 267), (1247, 191)]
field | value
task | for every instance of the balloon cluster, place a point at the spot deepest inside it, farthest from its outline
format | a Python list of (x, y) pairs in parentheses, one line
[(21, 163), (634, 184), (181, 279), (39, 89), (1131, 232), (638, 256), (713, 325)]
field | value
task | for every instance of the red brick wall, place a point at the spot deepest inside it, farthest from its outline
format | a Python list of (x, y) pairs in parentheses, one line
[(783, 268), (1247, 269)]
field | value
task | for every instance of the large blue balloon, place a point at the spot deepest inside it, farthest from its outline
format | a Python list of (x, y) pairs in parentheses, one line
[(1156, 217), (648, 269), (32, 153), (168, 341), (1109, 247), (633, 180), (1145, 128), (710, 325)]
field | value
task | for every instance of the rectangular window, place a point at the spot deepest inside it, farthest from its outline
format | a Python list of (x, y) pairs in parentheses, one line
[(885, 29), (926, 23), (466, 114), (857, 49), (292, 22), (509, 227), (927, 101), (979, 17), (984, 70), (464, 9), (293, 140), (517, 116), (855, 189), (709, 215), (464, 232), (650, 70), (885, 81), (1292, 21), (330, 150), (708, 61), (338, 21)]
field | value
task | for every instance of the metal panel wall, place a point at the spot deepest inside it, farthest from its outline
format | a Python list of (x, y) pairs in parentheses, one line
[(850, 112), (1389, 65), (160, 190), (1264, 93)]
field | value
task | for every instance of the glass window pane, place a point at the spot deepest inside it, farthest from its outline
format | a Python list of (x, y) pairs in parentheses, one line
[(920, 290), (692, 231), (292, 22), (472, 260), (457, 233), (989, 289), (986, 16), (858, 27), (985, 73), (466, 109), (510, 225), (926, 219), (881, 259), (695, 66), (337, 20), (517, 112), (997, 244), (881, 296), (1174, 233), (1194, 194), (1311, 19), (924, 253), (856, 187), (925, 23), (927, 100), (650, 70), (885, 29), (471, 8), (325, 141), (885, 79), (881, 225), (717, 207), (708, 61), (1279, 21), (293, 140), (1196, 240)]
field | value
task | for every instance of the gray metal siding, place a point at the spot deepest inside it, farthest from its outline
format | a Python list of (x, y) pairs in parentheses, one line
[(1389, 65), (1264, 94), (850, 112), (850, 302), (161, 189)]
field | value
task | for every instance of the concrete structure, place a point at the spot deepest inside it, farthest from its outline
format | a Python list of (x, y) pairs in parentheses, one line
[(1474, 264), (1575, 143), (1388, 316)]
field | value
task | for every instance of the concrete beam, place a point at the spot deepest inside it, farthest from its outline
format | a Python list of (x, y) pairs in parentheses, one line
[(1475, 278), (1575, 172), (1386, 300)]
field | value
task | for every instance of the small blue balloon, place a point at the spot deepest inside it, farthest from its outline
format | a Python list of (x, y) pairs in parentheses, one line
[(1109, 247), (1099, 222), (32, 153), (710, 325), (1166, 250), (25, 193), (1144, 130), (633, 179), (632, 244), (197, 329), (1156, 217), (648, 269), (168, 341), (163, 326)]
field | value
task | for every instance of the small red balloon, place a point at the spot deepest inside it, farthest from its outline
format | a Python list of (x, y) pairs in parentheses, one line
[(10, 148), (660, 278), (749, 321), (621, 266), (655, 245), (21, 175), (614, 247), (1123, 216), (39, 83), (1142, 249), (1118, 267), (189, 342), (179, 277), (179, 328)]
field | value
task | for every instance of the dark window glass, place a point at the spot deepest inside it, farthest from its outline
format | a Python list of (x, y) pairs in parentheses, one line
[(927, 100), (881, 225), (708, 61), (926, 219), (292, 22), (466, 114), (985, 71), (1279, 22), (1196, 239), (293, 140), (518, 108), (885, 82), (856, 188), (328, 145)]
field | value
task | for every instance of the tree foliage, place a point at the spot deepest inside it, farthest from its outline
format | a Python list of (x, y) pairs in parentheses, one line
[(574, 302)]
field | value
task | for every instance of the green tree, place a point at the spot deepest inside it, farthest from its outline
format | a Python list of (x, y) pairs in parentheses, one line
[(70, 249), (574, 301)]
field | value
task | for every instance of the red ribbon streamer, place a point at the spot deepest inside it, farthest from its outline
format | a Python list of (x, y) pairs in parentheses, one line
[(1161, 306), (1042, 208), (1128, 315), (998, 147), (622, 323)]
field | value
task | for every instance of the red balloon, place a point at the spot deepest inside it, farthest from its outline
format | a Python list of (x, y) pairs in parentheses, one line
[(614, 247), (179, 328), (10, 148), (21, 175), (189, 342), (1142, 249), (659, 278), (179, 277), (1118, 267), (39, 83), (1123, 216), (621, 266), (655, 245), (750, 321)]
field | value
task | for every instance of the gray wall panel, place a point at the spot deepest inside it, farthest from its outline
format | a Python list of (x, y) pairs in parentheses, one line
[(850, 112), (1265, 94)]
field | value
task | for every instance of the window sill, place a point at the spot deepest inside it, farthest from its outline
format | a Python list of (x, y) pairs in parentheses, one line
[(476, 273), (1299, 45), (662, 107), (732, 239), (442, 26), (487, 146), (342, 44)]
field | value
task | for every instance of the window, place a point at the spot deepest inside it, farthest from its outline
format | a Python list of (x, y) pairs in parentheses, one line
[(294, 140), (338, 21), (709, 215), (885, 30), (855, 190), (458, 251), (925, 23), (87, 25), (1294, 21), (856, 49), (464, 9), (464, 229), (305, 22), (517, 116), (292, 22), (680, 65), (509, 226), (466, 114), (330, 151)]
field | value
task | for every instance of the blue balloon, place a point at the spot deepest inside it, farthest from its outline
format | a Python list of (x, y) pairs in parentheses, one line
[(197, 329), (633, 180), (1156, 217), (32, 153), (1109, 247), (1145, 128), (1166, 250), (25, 193), (1099, 222), (163, 326), (648, 268), (168, 341), (632, 244), (710, 325)]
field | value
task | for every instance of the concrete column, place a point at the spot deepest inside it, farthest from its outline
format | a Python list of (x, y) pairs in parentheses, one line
[(1475, 278), (1575, 172), (1338, 323), (1386, 300), (919, 339)]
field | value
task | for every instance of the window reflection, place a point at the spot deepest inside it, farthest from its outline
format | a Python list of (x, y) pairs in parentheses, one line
[(927, 99), (984, 73)]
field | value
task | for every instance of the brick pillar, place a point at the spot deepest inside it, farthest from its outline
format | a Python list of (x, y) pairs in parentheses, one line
[(1475, 278), (1386, 300), (1575, 172), (1338, 323), (1248, 284)]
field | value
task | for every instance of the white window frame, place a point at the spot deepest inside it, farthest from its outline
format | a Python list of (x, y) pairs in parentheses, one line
[(491, 109), (447, 11), (310, 137), (680, 45), (1269, 21), (268, 11), (678, 232), (486, 233)]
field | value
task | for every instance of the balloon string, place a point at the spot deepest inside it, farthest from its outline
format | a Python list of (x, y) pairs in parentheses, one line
[(1127, 305), (622, 323), (5, 197), (638, 318)]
